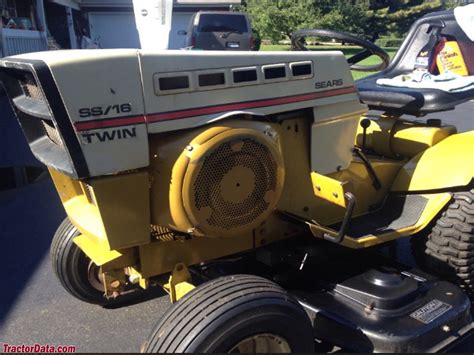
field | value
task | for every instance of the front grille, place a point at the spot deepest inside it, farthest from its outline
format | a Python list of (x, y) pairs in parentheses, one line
[(52, 132), (36, 113), (30, 88)]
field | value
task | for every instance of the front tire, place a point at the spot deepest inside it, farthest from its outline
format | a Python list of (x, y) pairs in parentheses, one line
[(72, 267), (236, 313), (450, 246)]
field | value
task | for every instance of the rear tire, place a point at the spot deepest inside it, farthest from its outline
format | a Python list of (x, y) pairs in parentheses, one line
[(238, 313), (72, 266), (450, 245)]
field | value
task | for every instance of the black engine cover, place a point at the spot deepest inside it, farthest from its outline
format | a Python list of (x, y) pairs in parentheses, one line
[(379, 311)]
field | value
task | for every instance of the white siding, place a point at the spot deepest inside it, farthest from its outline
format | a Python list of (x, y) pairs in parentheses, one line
[(114, 29)]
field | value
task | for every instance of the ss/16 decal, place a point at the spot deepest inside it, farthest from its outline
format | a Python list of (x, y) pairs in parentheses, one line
[(104, 110)]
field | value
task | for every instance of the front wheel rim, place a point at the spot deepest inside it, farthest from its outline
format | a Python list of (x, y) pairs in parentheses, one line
[(262, 343), (94, 276)]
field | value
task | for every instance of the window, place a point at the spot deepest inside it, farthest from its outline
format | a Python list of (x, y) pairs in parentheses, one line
[(174, 83), (222, 23), (274, 72), (303, 69), (19, 14), (244, 75), (211, 79)]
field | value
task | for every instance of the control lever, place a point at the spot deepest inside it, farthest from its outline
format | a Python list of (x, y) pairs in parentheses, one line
[(375, 179), (365, 123)]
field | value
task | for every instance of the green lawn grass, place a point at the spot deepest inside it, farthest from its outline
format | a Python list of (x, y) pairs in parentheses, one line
[(347, 50)]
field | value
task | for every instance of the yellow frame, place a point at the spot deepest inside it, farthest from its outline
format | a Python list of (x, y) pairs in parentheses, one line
[(114, 213)]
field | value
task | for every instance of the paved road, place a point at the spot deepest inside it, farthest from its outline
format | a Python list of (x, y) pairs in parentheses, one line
[(33, 306)]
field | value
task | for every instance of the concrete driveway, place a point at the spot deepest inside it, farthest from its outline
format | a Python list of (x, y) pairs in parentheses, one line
[(33, 306)]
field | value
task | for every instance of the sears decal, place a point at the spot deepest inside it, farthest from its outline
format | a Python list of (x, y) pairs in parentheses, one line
[(108, 135), (328, 83), (104, 110)]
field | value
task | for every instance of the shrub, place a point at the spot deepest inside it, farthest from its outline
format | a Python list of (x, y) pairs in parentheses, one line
[(389, 42)]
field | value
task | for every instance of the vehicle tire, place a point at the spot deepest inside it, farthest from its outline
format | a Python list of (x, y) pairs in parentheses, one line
[(450, 245), (72, 267), (236, 313)]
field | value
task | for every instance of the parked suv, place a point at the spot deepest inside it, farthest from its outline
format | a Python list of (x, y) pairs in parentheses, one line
[(213, 30)]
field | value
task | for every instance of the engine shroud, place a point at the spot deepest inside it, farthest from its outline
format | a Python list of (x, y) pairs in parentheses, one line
[(227, 180)]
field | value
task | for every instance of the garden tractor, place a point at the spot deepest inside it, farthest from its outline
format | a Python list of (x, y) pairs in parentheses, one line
[(254, 189)]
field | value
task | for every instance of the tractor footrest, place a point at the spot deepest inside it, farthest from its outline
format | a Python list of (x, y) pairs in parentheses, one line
[(397, 213)]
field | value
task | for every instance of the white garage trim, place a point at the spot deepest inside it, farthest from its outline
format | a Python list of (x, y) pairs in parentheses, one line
[(67, 3)]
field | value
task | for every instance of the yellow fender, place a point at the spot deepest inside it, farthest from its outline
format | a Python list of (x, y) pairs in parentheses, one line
[(448, 164)]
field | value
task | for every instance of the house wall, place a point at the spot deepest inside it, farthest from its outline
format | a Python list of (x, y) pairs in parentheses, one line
[(119, 3), (112, 23), (17, 41)]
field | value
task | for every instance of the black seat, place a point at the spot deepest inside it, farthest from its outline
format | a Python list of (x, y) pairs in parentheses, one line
[(418, 102)]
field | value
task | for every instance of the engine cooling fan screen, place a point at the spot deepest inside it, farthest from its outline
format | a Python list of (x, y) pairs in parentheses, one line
[(235, 185)]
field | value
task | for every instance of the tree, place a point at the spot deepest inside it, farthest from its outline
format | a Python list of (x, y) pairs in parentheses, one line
[(395, 17), (345, 16), (277, 19)]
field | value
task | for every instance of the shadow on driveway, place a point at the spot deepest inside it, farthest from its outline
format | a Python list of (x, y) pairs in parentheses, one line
[(29, 217)]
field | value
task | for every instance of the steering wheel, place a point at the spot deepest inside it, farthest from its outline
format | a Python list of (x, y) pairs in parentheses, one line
[(369, 48)]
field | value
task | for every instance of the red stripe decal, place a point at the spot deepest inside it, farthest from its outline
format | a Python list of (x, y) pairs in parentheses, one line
[(114, 122), (246, 105), (124, 121)]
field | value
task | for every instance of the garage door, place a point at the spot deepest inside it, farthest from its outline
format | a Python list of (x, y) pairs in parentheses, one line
[(118, 30), (180, 22), (114, 30)]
